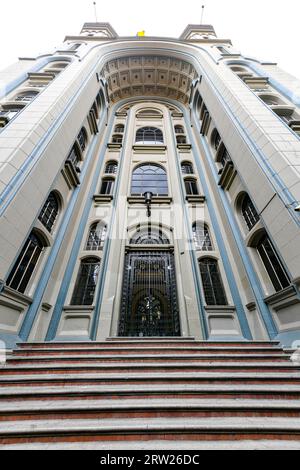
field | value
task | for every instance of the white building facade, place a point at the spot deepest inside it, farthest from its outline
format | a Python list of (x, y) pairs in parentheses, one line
[(150, 187)]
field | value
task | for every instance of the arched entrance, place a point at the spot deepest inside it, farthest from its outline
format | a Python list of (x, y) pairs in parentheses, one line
[(149, 295)]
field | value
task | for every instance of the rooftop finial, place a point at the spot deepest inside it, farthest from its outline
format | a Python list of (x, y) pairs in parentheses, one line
[(202, 14), (95, 11)]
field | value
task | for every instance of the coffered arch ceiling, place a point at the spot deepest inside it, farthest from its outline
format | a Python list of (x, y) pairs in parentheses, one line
[(146, 75)]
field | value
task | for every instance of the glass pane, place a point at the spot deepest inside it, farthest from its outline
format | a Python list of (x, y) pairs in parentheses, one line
[(272, 263), (212, 284), (86, 282)]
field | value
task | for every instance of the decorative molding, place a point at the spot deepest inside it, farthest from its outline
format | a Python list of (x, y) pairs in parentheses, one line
[(195, 198), (114, 146), (283, 299), (12, 298), (99, 198), (149, 149), (70, 175), (184, 146), (155, 200), (251, 306), (227, 176)]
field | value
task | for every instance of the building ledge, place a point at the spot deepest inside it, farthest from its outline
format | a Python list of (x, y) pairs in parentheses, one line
[(227, 176), (220, 308), (79, 308), (176, 114), (251, 306), (70, 175), (9, 295), (256, 80), (155, 200), (113, 146), (149, 248), (41, 76), (184, 146), (281, 299), (149, 148), (199, 199), (100, 198)]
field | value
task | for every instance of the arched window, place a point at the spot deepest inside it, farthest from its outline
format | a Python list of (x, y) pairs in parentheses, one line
[(82, 139), (201, 237), (75, 47), (27, 260), (212, 283), (58, 65), (74, 157), (271, 100), (191, 187), (8, 113), (97, 236), (179, 129), (216, 139), (111, 168), (27, 96), (117, 139), (50, 212), (86, 282), (187, 168), (223, 156), (149, 136), (249, 212), (272, 263), (181, 139), (107, 186), (149, 177), (150, 236), (119, 129)]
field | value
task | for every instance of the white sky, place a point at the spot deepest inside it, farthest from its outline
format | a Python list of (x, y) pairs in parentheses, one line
[(265, 29)]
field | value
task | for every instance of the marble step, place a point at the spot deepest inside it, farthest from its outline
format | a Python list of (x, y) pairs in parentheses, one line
[(139, 429), (158, 359), (150, 408), (151, 391), (162, 445), (85, 378), (149, 343), (155, 351), (123, 367)]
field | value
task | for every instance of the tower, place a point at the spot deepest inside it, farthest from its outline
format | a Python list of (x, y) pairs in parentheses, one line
[(149, 188)]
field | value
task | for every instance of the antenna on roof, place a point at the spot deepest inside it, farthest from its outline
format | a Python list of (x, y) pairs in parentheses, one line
[(95, 11), (202, 14)]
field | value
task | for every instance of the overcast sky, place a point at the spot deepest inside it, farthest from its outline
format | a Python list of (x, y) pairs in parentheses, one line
[(266, 29)]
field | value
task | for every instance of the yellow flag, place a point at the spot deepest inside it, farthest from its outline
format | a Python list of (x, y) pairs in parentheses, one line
[(141, 33)]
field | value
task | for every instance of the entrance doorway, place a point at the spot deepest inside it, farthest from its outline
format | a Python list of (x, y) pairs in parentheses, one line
[(149, 297)]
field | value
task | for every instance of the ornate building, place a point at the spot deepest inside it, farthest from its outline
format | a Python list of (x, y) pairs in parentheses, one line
[(149, 188)]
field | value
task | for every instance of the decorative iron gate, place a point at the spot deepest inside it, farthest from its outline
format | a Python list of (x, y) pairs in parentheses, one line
[(149, 297)]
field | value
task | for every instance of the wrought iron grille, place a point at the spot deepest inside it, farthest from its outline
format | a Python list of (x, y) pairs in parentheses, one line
[(149, 298)]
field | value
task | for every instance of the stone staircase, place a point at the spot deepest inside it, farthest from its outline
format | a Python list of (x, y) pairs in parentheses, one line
[(150, 394)]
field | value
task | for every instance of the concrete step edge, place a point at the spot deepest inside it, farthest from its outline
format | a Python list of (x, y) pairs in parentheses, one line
[(141, 425), (149, 405)]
